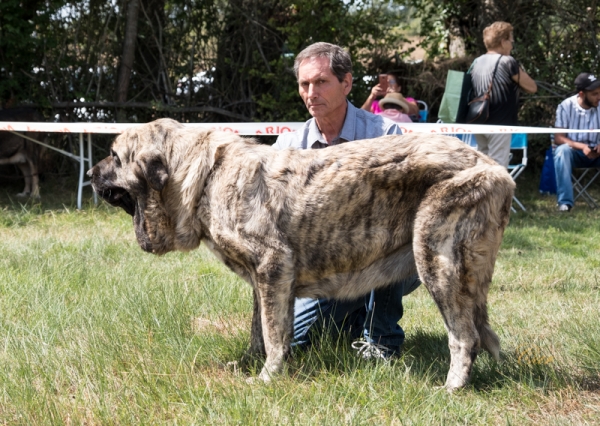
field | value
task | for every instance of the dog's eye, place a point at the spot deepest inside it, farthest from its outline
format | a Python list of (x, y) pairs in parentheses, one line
[(116, 158)]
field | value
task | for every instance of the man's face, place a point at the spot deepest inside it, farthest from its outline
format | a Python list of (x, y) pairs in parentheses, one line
[(591, 98), (322, 93)]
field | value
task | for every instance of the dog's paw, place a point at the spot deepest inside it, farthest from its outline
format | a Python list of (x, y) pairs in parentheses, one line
[(453, 386), (258, 380), (253, 380), (263, 378), (234, 366)]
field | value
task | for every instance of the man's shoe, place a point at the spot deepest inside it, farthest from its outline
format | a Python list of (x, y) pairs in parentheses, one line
[(564, 208), (375, 351)]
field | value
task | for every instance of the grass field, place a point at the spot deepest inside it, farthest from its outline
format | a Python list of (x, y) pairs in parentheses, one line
[(95, 331)]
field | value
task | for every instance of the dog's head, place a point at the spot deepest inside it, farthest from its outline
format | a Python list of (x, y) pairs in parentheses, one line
[(146, 174)]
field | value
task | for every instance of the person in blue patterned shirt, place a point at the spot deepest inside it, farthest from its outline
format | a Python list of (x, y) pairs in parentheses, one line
[(575, 149)]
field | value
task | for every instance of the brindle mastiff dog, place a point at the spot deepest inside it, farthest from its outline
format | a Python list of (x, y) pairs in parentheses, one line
[(22, 152), (331, 223)]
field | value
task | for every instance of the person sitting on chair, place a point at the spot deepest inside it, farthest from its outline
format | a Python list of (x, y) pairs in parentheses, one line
[(576, 150), (372, 104), (395, 107)]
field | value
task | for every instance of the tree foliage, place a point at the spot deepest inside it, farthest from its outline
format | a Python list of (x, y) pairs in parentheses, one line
[(197, 60), (231, 60), (555, 41)]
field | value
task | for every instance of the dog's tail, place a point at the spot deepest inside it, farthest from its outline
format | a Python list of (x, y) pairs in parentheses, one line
[(489, 340)]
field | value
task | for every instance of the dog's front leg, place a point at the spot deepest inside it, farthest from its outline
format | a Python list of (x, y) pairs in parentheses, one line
[(28, 176), (257, 343), (277, 319)]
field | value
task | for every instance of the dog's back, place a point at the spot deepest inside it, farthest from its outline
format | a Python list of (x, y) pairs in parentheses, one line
[(349, 204)]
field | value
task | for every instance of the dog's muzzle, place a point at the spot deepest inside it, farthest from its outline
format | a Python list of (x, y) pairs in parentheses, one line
[(114, 195)]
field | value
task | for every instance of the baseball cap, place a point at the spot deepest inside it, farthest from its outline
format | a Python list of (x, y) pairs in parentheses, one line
[(586, 81)]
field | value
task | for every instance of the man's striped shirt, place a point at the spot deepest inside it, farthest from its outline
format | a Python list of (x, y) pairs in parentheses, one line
[(570, 115)]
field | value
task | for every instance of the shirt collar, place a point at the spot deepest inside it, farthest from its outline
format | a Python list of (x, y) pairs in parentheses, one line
[(349, 127), (347, 133)]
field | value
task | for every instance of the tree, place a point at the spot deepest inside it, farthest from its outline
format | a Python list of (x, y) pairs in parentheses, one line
[(231, 60), (127, 59), (199, 60), (20, 47), (555, 41)]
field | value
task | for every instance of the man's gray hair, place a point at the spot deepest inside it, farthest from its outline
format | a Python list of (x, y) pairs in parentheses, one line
[(339, 60)]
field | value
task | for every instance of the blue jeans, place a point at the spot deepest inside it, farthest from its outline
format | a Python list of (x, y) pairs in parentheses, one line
[(375, 318), (565, 160)]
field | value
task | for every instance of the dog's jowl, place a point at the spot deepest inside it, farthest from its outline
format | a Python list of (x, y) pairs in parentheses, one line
[(333, 223)]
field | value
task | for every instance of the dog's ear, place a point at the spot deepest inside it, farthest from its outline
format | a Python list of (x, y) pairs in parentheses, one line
[(153, 165)]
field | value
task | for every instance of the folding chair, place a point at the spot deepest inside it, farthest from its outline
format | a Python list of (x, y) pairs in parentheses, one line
[(518, 142), (467, 138), (423, 111), (581, 182)]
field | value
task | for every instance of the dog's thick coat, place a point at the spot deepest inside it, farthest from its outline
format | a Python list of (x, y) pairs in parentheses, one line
[(333, 223)]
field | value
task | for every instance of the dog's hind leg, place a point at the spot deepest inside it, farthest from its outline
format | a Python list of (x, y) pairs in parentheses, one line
[(32, 181), (35, 179), (458, 233), (22, 162), (456, 304)]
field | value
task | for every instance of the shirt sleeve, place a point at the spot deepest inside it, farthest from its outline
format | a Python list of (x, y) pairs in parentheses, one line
[(512, 65), (291, 139), (394, 129), (280, 143), (561, 117)]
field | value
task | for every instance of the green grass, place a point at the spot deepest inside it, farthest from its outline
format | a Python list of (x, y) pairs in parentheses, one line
[(95, 331)]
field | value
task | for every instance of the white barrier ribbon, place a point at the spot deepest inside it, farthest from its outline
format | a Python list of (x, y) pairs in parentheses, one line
[(115, 128), (266, 129), (247, 129), (455, 128)]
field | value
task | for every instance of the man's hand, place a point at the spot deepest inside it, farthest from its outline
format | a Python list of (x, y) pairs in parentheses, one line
[(590, 153)]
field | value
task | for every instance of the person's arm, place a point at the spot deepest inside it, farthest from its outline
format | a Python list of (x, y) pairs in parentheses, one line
[(278, 143), (375, 93), (413, 107), (563, 139), (526, 83)]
